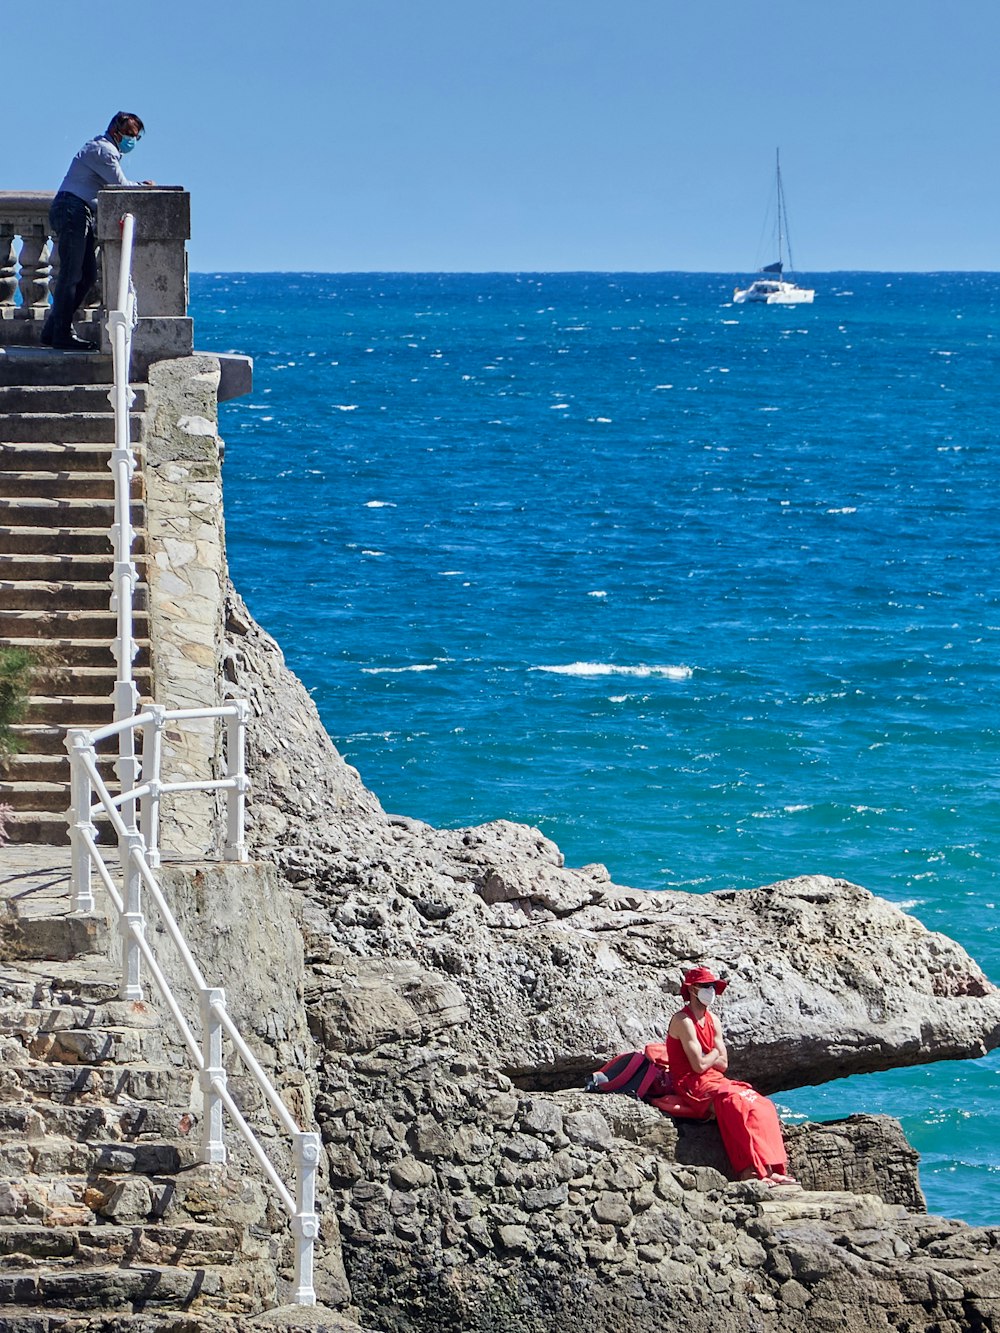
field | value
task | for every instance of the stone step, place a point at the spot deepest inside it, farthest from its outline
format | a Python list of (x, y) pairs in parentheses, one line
[(65, 512), (88, 566), (43, 927), (54, 1319), (76, 981), (64, 427), (88, 1122), (39, 738), (52, 768), (28, 540), (64, 398), (47, 485), (91, 566), (45, 1017), (54, 623), (137, 1287), (22, 796), (51, 457), (39, 828), (84, 654), (213, 1195), (109, 1045), (69, 710), (148, 1083), (182, 1246), (54, 677), (25, 594), (53, 1156), (43, 366)]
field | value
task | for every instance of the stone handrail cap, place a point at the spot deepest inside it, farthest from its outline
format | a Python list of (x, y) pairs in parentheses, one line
[(162, 212), (25, 207)]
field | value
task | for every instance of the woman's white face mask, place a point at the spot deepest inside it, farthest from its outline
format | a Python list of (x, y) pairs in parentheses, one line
[(706, 994)]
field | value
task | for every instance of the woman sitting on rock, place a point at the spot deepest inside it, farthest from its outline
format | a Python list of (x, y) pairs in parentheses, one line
[(696, 1054)]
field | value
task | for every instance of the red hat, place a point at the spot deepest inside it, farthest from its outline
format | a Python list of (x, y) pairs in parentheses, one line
[(701, 976)]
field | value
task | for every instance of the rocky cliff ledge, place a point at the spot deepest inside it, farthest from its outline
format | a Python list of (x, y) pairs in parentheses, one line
[(460, 983)]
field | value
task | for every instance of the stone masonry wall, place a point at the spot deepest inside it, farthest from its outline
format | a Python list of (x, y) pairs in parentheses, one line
[(186, 564)]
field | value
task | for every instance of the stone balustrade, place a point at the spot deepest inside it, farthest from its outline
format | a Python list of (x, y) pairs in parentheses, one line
[(29, 258), (28, 270)]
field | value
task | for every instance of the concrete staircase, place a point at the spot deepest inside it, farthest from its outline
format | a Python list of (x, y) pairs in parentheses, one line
[(105, 1213), (56, 509)]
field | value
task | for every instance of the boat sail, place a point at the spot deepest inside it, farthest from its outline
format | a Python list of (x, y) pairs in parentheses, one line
[(774, 288)]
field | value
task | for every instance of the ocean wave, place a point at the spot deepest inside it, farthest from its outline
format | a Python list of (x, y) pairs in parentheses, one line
[(379, 504), (612, 669), (398, 671)]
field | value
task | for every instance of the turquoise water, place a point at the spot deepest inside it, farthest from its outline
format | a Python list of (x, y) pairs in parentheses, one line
[(705, 592)]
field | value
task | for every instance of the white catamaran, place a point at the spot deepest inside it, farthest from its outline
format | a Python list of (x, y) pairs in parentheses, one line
[(773, 288)]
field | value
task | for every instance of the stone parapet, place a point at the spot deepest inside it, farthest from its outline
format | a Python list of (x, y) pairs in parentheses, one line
[(29, 262), (159, 268)]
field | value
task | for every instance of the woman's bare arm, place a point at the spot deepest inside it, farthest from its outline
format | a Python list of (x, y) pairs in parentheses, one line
[(682, 1027)]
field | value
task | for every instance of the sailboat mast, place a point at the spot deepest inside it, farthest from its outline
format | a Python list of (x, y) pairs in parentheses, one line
[(783, 237)]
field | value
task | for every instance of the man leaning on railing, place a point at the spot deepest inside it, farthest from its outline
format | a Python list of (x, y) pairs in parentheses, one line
[(73, 220)]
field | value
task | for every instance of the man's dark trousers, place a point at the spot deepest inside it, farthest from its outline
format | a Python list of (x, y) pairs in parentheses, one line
[(73, 223)]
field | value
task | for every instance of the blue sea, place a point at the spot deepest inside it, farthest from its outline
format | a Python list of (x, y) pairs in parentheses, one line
[(706, 592)]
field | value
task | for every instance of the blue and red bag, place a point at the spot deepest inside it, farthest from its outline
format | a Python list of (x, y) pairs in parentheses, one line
[(645, 1076), (634, 1074)]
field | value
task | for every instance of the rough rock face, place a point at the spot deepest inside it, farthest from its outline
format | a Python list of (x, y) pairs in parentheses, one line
[(460, 983)]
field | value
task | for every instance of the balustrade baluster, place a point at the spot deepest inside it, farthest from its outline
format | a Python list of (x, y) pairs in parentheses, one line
[(8, 270), (36, 272)]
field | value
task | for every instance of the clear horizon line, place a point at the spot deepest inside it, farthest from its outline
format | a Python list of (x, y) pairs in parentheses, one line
[(531, 272)]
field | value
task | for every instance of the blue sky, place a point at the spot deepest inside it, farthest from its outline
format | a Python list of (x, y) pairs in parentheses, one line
[(539, 134)]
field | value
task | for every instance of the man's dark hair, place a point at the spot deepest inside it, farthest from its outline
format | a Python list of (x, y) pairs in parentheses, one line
[(122, 119)]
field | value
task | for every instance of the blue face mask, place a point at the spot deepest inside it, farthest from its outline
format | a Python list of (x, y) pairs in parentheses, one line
[(127, 144)]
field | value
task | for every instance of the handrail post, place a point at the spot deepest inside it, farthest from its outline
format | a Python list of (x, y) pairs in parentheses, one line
[(305, 1223), (213, 1147), (236, 725), (133, 922), (80, 822), (152, 752)]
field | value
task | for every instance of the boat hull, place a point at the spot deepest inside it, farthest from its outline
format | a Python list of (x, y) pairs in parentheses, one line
[(783, 293)]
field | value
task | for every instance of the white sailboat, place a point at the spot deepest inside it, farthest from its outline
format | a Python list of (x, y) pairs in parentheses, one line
[(774, 288)]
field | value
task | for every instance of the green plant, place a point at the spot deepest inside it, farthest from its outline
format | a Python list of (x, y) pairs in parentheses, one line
[(16, 668)]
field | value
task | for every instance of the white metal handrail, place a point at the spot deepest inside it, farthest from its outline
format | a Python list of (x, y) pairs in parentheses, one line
[(124, 575), (135, 816), (142, 799), (216, 1022)]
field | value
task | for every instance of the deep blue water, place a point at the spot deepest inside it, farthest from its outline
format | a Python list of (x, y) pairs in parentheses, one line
[(705, 592)]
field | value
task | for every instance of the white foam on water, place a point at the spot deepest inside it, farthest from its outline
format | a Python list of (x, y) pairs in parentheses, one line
[(617, 698), (795, 809), (379, 504), (663, 386), (606, 421), (346, 407), (451, 573), (365, 552), (612, 669), (847, 509), (555, 407), (398, 671), (597, 592)]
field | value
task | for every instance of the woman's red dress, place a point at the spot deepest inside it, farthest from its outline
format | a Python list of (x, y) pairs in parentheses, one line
[(748, 1121)]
